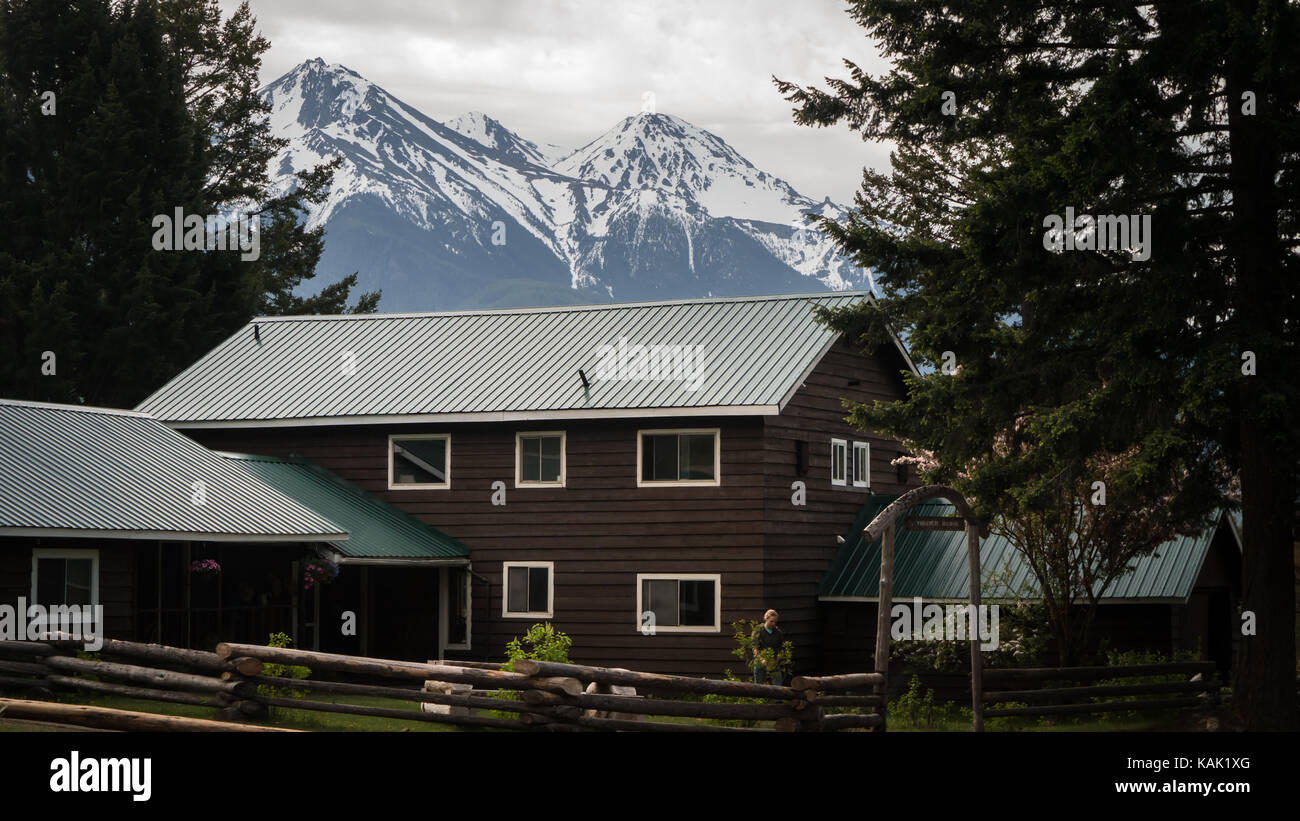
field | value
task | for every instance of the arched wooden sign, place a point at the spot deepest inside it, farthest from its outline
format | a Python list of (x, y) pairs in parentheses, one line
[(883, 526)]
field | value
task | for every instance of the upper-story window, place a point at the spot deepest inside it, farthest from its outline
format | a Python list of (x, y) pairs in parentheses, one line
[(839, 461), (679, 457), (539, 459), (861, 464), (419, 461)]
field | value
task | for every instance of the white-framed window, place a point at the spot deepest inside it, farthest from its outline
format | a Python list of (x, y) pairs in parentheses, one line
[(839, 461), (529, 590), (678, 603), (417, 461), (66, 576), (689, 456), (456, 591), (539, 459), (861, 464)]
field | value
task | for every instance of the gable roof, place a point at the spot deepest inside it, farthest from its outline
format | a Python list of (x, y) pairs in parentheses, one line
[(501, 365), (69, 471), (377, 530), (932, 564)]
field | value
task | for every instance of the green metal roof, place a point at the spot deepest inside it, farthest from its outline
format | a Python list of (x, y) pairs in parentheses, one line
[(376, 528), (932, 564), (71, 470), (501, 365)]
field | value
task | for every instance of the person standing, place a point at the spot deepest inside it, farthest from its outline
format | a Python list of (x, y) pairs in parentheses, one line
[(768, 637)]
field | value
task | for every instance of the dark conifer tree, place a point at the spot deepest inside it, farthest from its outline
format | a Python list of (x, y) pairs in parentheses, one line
[(1184, 362)]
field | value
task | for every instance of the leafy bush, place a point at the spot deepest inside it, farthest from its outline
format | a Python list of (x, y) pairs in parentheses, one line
[(1115, 658), (294, 671), (542, 642)]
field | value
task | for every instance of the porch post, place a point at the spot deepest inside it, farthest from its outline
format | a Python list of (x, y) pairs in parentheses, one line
[(976, 660), (443, 612)]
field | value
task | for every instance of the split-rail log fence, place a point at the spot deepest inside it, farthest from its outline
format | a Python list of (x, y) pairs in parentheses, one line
[(539, 696), (1071, 690)]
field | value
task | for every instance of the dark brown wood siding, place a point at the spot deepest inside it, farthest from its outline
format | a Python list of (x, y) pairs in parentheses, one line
[(600, 530), (801, 540), (117, 567)]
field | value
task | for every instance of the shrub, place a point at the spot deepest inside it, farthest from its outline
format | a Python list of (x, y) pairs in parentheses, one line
[(294, 671), (542, 642)]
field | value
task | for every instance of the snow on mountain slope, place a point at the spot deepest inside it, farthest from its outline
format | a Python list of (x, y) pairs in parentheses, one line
[(437, 214), (488, 132)]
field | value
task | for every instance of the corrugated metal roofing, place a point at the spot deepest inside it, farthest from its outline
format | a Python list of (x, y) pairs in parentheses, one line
[(755, 350), (376, 528), (932, 564), (68, 470)]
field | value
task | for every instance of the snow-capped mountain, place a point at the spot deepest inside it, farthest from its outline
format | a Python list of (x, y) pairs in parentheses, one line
[(470, 214)]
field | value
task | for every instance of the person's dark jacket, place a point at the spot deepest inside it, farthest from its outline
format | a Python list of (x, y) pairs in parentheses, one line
[(764, 640)]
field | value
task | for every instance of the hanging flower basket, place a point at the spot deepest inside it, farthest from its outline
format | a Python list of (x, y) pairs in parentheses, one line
[(205, 567), (318, 571)]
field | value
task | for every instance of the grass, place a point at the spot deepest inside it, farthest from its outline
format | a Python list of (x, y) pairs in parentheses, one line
[(289, 718)]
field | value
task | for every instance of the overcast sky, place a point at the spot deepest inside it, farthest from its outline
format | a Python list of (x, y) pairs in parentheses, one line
[(566, 71)]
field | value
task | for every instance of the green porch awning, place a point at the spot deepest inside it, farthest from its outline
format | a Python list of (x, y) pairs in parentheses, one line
[(376, 529)]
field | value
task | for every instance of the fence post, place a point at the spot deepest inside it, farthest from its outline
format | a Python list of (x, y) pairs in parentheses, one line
[(976, 660)]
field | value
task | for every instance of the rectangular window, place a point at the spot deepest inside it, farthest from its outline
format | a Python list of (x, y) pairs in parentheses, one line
[(539, 459), (839, 459), (678, 457), (679, 603), (529, 589), (65, 576), (419, 461), (861, 464)]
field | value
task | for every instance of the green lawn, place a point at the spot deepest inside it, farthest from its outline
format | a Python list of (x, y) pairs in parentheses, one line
[(279, 717)]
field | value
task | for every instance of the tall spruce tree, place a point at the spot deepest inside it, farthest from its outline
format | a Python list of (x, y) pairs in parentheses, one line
[(1181, 355), (112, 113)]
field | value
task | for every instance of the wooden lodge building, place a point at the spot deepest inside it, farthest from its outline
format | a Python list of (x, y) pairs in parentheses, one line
[(641, 475)]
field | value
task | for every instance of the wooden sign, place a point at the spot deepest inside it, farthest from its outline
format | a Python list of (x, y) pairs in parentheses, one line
[(934, 523)]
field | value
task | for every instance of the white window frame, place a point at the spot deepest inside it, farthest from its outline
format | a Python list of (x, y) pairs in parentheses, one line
[(520, 482), (39, 553), (843, 444), (716, 578), (419, 485), (444, 595), (717, 458), (550, 591), (865, 447)]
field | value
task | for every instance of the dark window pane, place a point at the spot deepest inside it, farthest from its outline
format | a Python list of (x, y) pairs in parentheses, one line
[(419, 461), (697, 456), (77, 590), (550, 458), (659, 457), (538, 589), (517, 590), (659, 596), (530, 458), (697, 603), (49, 580)]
